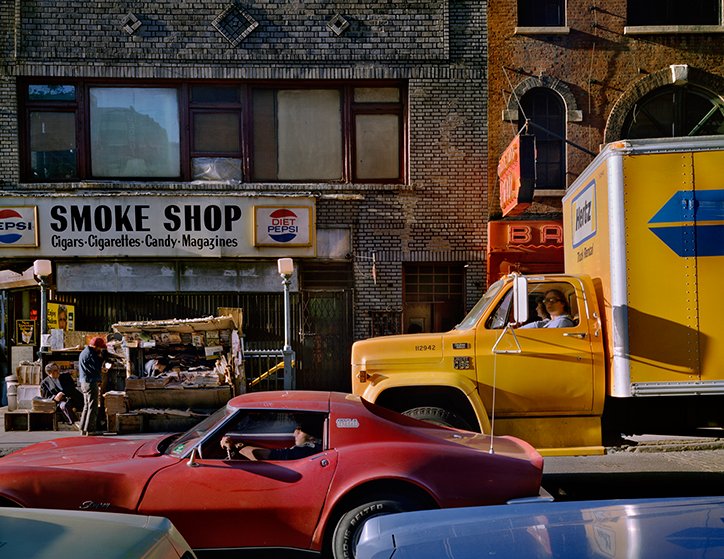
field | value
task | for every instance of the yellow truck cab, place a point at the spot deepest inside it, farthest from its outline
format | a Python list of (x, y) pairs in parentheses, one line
[(642, 348)]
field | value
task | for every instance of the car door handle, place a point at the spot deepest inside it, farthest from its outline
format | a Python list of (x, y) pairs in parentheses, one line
[(580, 335)]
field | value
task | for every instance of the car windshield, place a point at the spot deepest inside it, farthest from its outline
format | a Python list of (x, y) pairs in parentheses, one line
[(477, 311), (199, 431)]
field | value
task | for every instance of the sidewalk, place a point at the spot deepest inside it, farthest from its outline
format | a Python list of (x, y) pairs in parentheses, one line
[(14, 440)]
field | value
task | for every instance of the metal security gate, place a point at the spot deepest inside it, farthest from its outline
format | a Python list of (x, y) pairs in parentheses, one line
[(326, 340)]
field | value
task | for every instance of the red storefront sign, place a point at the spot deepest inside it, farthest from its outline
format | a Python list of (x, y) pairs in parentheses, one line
[(529, 247), (516, 170)]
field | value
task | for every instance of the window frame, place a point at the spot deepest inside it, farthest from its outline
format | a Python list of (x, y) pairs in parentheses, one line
[(188, 109), (642, 28), (549, 94), (681, 95), (26, 107), (529, 22)]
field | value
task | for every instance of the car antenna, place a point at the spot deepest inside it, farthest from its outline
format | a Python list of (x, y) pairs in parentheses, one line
[(192, 463)]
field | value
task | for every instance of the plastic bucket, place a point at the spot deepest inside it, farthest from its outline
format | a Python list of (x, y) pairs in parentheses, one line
[(12, 385)]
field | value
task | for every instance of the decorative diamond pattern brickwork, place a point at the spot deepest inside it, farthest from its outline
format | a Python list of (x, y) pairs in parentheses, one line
[(130, 24), (234, 24), (337, 25)]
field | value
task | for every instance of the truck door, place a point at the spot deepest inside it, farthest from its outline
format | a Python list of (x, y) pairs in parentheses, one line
[(553, 372)]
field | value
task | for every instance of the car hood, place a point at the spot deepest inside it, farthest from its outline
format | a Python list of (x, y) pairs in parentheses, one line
[(83, 534), (90, 473), (75, 451)]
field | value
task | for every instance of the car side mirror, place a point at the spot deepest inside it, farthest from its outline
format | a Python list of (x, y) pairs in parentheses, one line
[(520, 299)]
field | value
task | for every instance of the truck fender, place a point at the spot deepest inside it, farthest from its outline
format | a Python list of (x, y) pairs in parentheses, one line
[(430, 380)]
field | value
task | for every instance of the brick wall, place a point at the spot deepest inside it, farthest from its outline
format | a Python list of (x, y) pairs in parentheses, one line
[(597, 63), (438, 47)]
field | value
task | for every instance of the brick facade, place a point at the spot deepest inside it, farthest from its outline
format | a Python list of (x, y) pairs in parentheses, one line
[(437, 47), (600, 69)]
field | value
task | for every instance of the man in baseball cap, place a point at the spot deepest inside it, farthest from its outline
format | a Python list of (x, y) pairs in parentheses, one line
[(90, 364), (98, 343)]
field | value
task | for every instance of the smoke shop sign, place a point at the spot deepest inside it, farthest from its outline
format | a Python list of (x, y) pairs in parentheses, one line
[(188, 226)]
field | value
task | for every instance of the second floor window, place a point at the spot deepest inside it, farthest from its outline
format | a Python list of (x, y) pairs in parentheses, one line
[(541, 13), (338, 132), (545, 110), (673, 12), (673, 111)]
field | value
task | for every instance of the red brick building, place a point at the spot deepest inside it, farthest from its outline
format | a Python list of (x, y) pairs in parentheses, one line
[(587, 73)]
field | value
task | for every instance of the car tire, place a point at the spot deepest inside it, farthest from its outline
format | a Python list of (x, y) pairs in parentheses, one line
[(349, 528), (439, 416)]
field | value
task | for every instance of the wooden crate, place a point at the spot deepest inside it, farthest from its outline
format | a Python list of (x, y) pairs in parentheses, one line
[(26, 420), (180, 398), (129, 423)]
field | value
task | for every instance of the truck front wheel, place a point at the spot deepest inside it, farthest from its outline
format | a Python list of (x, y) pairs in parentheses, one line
[(439, 416)]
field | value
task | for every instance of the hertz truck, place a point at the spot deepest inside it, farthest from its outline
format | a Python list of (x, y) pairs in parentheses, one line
[(644, 287)]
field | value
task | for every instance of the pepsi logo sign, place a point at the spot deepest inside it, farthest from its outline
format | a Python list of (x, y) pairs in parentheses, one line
[(283, 225), (17, 227)]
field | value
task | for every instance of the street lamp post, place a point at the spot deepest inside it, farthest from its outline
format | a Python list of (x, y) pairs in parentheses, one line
[(42, 270), (286, 269)]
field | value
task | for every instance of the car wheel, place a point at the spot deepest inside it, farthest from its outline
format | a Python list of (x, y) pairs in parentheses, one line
[(439, 416), (349, 528)]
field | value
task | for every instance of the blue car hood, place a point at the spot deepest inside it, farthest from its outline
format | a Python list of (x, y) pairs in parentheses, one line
[(627, 528)]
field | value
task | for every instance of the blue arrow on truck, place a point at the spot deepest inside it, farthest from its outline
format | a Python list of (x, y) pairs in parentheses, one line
[(691, 223)]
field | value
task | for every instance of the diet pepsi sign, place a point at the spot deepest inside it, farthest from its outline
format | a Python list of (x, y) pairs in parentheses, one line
[(18, 227), (283, 226)]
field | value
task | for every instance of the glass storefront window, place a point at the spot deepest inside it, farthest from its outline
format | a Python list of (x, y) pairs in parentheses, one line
[(134, 132)]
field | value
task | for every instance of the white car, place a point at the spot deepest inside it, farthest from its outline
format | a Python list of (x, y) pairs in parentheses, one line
[(54, 534)]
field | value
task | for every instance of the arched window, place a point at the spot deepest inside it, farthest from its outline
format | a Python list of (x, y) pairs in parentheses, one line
[(545, 112), (675, 111)]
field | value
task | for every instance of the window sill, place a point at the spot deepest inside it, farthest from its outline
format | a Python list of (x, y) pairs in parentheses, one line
[(542, 30), (671, 29), (542, 193)]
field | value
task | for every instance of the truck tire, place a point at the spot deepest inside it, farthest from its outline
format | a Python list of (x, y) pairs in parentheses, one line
[(439, 416), (349, 527)]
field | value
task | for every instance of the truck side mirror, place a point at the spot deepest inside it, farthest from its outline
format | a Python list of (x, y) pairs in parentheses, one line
[(520, 299)]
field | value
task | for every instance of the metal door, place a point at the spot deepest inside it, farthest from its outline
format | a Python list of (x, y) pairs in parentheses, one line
[(326, 340)]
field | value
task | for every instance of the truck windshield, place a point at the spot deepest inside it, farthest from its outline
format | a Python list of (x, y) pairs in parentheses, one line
[(477, 311)]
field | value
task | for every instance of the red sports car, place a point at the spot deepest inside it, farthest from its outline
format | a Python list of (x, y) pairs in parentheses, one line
[(371, 461)]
